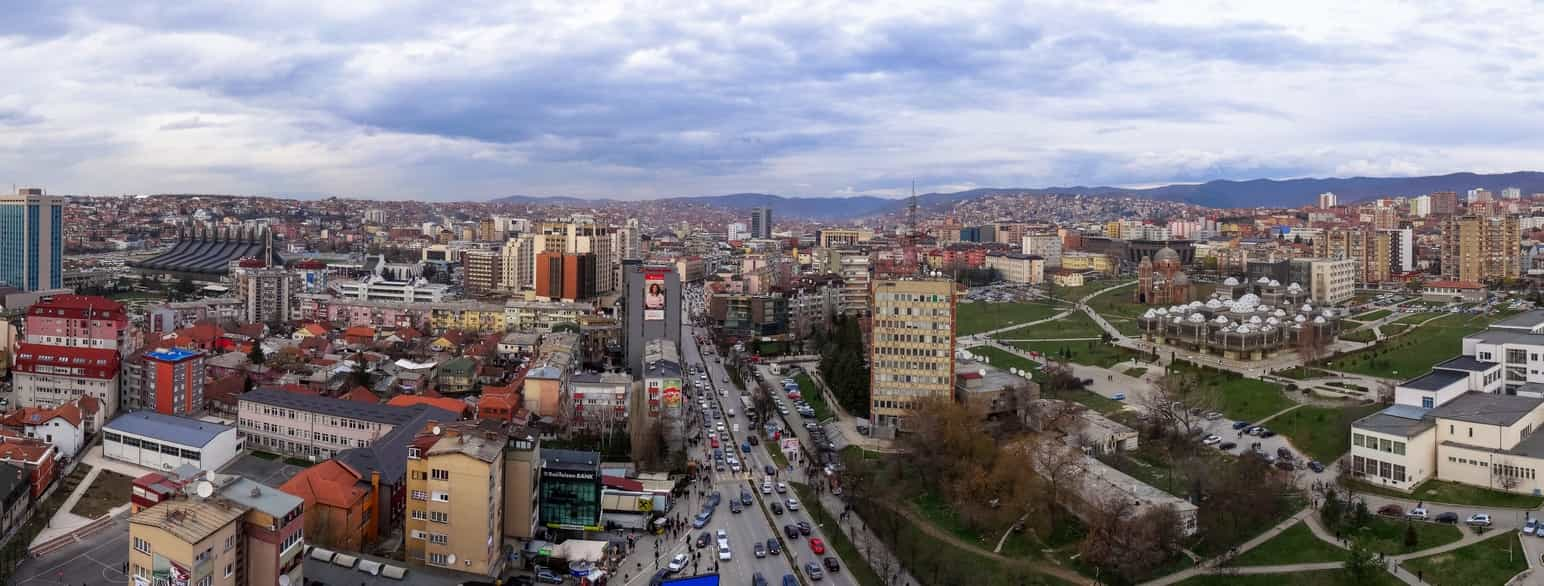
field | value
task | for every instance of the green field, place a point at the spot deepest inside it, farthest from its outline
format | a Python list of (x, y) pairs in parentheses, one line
[(1296, 545), (1075, 325), (1387, 536), (974, 318), (1493, 561), (1089, 352), (1005, 360), (1365, 335), (1319, 578), (1415, 318), (1412, 355), (1322, 433), (1236, 397), (812, 395), (1374, 315), (1453, 493), (1393, 329)]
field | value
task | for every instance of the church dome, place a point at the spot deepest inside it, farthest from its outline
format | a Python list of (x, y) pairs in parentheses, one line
[(1214, 304), (1247, 302), (1197, 318), (1150, 314), (1166, 254), (1299, 319), (1275, 283), (1230, 282), (1219, 320), (1263, 281)]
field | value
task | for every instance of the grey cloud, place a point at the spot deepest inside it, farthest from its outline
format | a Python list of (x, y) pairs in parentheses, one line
[(190, 124)]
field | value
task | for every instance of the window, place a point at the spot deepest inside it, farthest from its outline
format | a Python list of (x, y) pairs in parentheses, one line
[(418, 534), (439, 517), (438, 474), (419, 495), (1399, 448), (206, 581), (141, 545), (1356, 439), (1428, 403), (230, 569), (443, 497), (1471, 431), (419, 475), (293, 539), (419, 515), (412, 453), (437, 559), (230, 542), (439, 538)]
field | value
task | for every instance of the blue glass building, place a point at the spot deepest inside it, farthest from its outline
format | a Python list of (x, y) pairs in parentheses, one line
[(31, 240)]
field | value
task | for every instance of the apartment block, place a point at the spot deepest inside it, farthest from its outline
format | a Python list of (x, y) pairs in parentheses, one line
[(911, 351), (1480, 249), (1332, 281), (303, 426), (484, 271), (455, 508), (242, 533)]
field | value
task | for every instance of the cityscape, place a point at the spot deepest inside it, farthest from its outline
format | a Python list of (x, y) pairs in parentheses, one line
[(917, 294)]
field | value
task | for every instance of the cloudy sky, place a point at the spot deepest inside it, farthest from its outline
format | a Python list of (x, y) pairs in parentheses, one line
[(457, 100)]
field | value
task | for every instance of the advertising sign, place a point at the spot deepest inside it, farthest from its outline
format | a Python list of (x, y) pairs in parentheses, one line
[(672, 393), (654, 296)]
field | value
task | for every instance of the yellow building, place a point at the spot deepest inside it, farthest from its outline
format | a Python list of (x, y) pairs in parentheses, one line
[(1088, 261), (1480, 249), (912, 349), (455, 504), (245, 533), (468, 316)]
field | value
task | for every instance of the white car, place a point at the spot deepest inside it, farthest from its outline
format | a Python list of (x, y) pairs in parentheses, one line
[(1417, 513), (723, 552), (677, 563), (766, 488), (793, 504), (1481, 519), (1211, 440)]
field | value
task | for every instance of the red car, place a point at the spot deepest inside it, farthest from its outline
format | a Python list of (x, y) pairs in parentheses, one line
[(817, 546), (715, 442)]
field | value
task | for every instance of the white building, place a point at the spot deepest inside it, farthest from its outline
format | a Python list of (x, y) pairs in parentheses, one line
[(1420, 206), (1333, 280), (1328, 200), (1018, 268), (164, 442), (378, 289), (1046, 246), (63, 426)]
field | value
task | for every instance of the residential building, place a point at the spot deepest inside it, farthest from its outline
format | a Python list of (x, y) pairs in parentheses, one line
[(15, 498), (31, 240), (456, 483), (518, 263), (1332, 281), (522, 477), (37, 457), (842, 237), (1017, 268), (484, 271), (169, 381), (267, 294), (63, 427), (243, 533), (761, 223), (79, 321), (911, 354), (596, 403), (737, 232), (380, 289), (165, 442), (542, 315), (49, 376), (1480, 249), (341, 505), (1444, 203), (1420, 206), (1328, 200), (853, 266), (1046, 246), (300, 425)]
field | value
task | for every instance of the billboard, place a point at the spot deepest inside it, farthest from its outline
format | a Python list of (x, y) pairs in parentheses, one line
[(654, 296), (672, 394)]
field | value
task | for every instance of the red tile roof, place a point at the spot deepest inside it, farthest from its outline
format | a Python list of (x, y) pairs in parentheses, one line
[(330, 483), (24, 449), (78, 307), (97, 363), (362, 395), (451, 405)]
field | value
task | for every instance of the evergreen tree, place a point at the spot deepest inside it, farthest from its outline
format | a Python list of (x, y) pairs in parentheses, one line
[(256, 356)]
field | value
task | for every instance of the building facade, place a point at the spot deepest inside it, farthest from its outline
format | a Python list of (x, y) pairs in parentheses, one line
[(761, 223), (911, 354), (455, 505), (31, 240), (1481, 249), (267, 294)]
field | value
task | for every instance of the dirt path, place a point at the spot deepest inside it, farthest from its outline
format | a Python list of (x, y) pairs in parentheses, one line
[(1047, 568)]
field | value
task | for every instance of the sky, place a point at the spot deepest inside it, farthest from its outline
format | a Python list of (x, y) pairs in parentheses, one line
[(470, 100)]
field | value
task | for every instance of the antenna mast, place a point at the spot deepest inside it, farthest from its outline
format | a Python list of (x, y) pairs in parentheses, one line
[(911, 231)]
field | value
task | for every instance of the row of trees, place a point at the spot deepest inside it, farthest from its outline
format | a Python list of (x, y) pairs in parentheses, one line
[(842, 364)]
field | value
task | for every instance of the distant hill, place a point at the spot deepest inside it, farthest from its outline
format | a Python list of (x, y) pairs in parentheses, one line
[(819, 208)]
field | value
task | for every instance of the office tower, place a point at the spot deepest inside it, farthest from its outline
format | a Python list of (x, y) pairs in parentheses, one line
[(652, 310), (565, 276), (1401, 250), (375, 216), (1444, 203), (519, 263), (581, 234), (455, 512), (736, 231), (632, 240), (911, 356), (31, 240), (240, 532), (761, 222), (267, 294), (1420, 207), (1046, 246), (1480, 249), (484, 271), (1385, 218), (1332, 281), (1513, 193), (1328, 200), (1479, 194)]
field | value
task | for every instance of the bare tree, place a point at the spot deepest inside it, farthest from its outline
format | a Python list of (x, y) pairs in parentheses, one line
[(1312, 344), (1174, 406), (1129, 541), (1060, 464)]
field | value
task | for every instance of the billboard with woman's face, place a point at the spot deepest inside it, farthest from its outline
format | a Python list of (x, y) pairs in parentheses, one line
[(654, 296)]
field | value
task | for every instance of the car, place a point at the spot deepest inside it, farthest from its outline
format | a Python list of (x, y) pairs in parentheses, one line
[(678, 563), (704, 539), (735, 507), (753, 440), (1418, 513), (782, 488), (659, 577), (791, 531), (1391, 510), (789, 580), (817, 546), (1225, 446), (757, 580), (1212, 415), (714, 498), (1211, 440), (813, 570), (1240, 424), (1264, 433), (804, 527), (724, 554), (1118, 396), (766, 488), (793, 504), (773, 547), (701, 520), (1285, 465), (777, 509), (547, 576), (1478, 520), (759, 550), (745, 447), (745, 497), (1530, 526), (769, 469), (1448, 517), (1254, 431), (832, 565), (1316, 466)]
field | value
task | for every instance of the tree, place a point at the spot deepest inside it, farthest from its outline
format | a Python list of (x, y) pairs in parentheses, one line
[(287, 359), (1128, 542), (185, 287), (1312, 343), (359, 375), (1173, 406), (256, 356), (1362, 566)]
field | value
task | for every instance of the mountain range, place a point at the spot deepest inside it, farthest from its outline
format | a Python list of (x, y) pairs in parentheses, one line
[(1218, 194)]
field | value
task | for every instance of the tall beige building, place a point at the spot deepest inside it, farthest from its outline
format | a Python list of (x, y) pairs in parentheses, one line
[(243, 533), (911, 351), (455, 504), (1372, 251), (1480, 249), (484, 271), (519, 263)]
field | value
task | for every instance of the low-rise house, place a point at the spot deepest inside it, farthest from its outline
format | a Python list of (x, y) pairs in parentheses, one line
[(37, 457), (61, 426), (341, 505), (991, 392), (457, 375), (1453, 291), (165, 442)]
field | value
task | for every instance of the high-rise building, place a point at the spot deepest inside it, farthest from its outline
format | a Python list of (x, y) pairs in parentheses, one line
[(173, 381), (1328, 200), (1512, 193), (1401, 249), (853, 266), (267, 294), (1444, 203), (761, 222), (1480, 249), (375, 216), (519, 263), (1479, 194), (1332, 281), (31, 240), (565, 276), (632, 240), (1046, 246), (1385, 217), (736, 231), (243, 532), (484, 271), (81, 321), (583, 235), (652, 309), (911, 356), (1420, 206), (455, 512), (72, 347)]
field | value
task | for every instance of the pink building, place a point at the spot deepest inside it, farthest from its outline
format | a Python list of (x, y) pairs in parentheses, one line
[(79, 321)]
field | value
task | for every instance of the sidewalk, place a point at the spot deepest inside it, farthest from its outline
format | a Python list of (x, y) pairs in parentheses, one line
[(65, 522)]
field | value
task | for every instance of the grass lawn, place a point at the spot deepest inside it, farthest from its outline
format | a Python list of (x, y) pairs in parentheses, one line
[(1089, 352), (1387, 536), (1302, 373), (812, 395), (1296, 545), (1135, 372), (1075, 325), (1002, 359), (110, 489), (974, 318), (1323, 433), (1440, 491), (1359, 336), (1005, 360), (1238, 397), (1493, 561), (1122, 312), (1319, 578), (1414, 354), (937, 511), (1415, 318), (1393, 329), (855, 565), (1373, 315), (932, 560)]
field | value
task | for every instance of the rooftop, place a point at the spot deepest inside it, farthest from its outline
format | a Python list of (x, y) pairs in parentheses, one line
[(468, 440), (570, 460), (167, 428), (255, 495), (1528, 320), (1506, 336), (1435, 380), (378, 413), (1467, 364), (191, 520), (1400, 420), (171, 354), (1486, 408)]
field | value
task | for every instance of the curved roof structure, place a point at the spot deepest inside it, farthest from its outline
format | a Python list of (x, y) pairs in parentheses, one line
[(209, 252)]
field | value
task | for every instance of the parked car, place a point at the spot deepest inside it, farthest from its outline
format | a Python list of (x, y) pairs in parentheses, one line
[(1478, 520), (1284, 453), (1211, 440), (1448, 517), (704, 539), (547, 576), (1418, 513), (1240, 424), (1316, 466), (1391, 510), (1264, 433), (1225, 446), (1212, 415), (1530, 526)]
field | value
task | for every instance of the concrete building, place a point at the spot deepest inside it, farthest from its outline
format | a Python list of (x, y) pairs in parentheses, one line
[(170, 382), (1420, 206), (1332, 281), (596, 402), (31, 240), (853, 266), (79, 321), (455, 508), (381, 289), (1046, 246), (761, 223), (341, 505), (1017, 268), (242, 533), (49, 376), (842, 237), (989, 391), (1450, 291), (651, 308), (267, 294), (911, 355), (565, 276), (1089, 262), (484, 271), (309, 426), (518, 263), (569, 491), (1480, 249), (1328, 200), (522, 475), (165, 442)]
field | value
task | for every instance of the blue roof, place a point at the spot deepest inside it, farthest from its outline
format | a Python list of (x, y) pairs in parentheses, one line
[(167, 428), (171, 354), (1405, 411)]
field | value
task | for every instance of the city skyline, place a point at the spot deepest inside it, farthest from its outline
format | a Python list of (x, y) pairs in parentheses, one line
[(418, 102)]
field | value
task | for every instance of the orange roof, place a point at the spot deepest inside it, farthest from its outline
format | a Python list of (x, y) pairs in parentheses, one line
[(23, 449), (365, 331), (315, 329), (331, 483), (451, 405), (25, 416), (362, 395)]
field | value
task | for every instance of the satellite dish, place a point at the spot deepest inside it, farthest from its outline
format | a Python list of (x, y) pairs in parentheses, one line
[(436, 430), (284, 580), (451, 559), (205, 489)]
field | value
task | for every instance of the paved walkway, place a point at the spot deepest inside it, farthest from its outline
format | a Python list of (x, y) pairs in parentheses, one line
[(978, 336), (1038, 567), (63, 521)]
